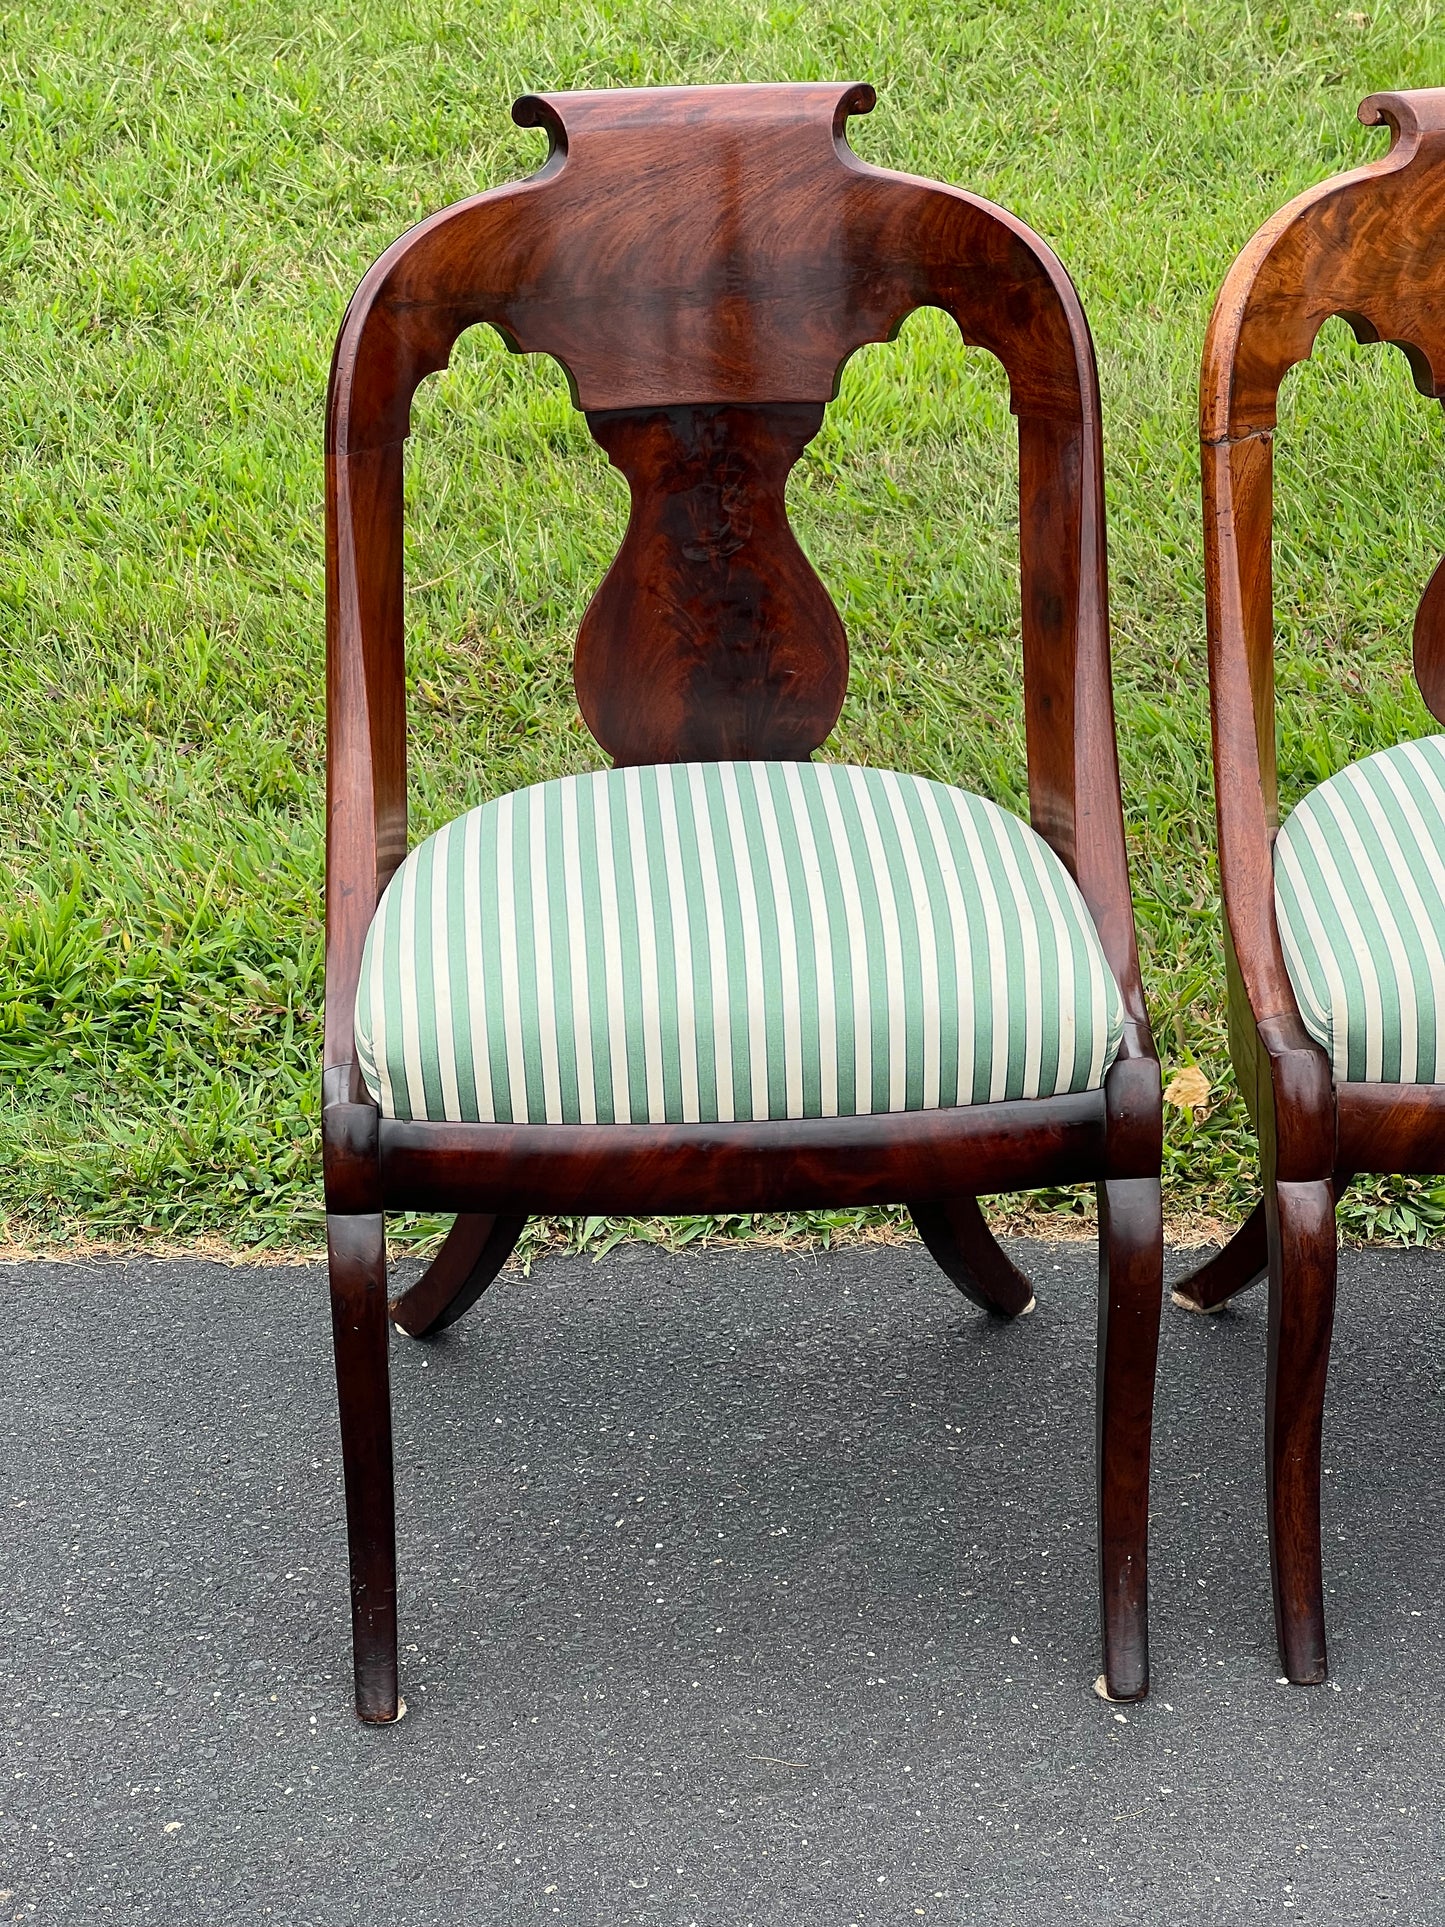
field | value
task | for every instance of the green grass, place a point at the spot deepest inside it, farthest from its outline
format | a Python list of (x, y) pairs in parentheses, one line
[(188, 194)]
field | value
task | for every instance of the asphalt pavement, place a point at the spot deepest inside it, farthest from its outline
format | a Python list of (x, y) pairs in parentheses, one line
[(741, 1589)]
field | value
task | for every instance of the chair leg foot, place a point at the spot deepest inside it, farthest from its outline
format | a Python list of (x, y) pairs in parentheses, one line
[(475, 1249), (957, 1235), (356, 1248), (1303, 1258), (1131, 1289), (1241, 1263)]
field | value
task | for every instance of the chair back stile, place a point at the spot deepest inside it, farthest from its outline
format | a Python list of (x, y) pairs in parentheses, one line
[(702, 262), (1368, 246)]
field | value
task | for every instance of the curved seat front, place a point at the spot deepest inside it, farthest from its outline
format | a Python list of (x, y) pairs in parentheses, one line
[(700, 942)]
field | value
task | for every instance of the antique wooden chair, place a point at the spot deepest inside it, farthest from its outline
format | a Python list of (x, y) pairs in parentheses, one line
[(719, 976), (1335, 921)]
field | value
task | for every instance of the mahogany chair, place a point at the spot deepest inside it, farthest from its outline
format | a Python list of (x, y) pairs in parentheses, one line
[(720, 976), (1335, 920)]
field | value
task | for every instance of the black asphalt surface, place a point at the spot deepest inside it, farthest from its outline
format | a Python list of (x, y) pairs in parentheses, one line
[(737, 1588)]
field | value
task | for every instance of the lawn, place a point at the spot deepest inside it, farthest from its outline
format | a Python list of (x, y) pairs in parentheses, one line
[(188, 194)]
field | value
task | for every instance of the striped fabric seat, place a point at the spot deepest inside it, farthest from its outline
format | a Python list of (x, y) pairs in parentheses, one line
[(1359, 879), (712, 941)]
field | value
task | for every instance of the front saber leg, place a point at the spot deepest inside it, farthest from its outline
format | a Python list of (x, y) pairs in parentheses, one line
[(1131, 1289), (356, 1248)]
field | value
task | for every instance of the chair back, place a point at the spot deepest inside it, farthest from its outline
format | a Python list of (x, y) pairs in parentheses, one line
[(702, 262), (1369, 246)]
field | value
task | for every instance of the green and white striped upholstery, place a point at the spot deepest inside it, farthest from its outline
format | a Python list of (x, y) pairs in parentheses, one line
[(1359, 880), (713, 941)]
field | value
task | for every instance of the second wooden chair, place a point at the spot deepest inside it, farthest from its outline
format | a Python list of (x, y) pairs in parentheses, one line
[(1335, 919)]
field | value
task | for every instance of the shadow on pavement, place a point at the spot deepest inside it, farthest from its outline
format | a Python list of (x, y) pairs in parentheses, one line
[(737, 1587)]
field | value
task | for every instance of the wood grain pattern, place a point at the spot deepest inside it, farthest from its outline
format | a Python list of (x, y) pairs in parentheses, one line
[(791, 1164), (710, 244), (711, 607), (1368, 245), (702, 262)]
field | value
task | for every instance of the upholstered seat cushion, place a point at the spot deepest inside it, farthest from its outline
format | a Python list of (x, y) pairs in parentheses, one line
[(1359, 876), (714, 941)]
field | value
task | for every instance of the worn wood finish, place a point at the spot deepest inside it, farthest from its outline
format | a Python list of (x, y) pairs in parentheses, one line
[(473, 1252), (957, 1234), (1392, 1127), (1368, 245), (702, 262), (711, 607)]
